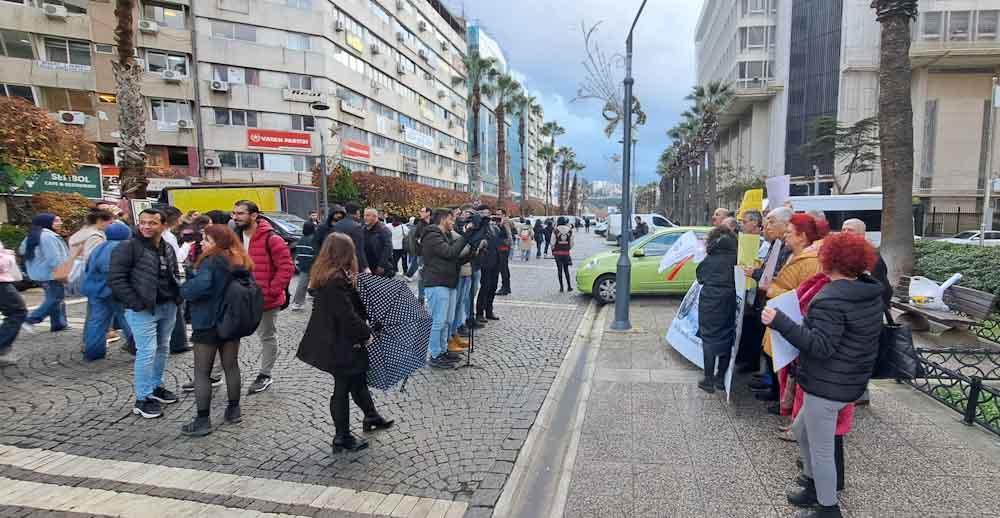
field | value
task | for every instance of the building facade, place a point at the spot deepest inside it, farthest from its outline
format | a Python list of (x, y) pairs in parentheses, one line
[(482, 43), (526, 164), (795, 60), (232, 85)]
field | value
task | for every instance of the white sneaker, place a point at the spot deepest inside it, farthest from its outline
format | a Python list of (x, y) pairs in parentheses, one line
[(298, 307), (28, 328)]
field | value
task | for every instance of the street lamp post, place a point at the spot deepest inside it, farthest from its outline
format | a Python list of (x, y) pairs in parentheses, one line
[(320, 106), (623, 276)]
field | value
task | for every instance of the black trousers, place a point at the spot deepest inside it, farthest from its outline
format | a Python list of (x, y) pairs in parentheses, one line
[(397, 256), (14, 312), (562, 268), (538, 248), (356, 386), (487, 292), (751, 340), (179, 339), (713, 362), (505, 271)]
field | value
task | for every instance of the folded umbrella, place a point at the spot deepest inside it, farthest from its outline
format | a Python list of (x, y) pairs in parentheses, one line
[(402, 329)]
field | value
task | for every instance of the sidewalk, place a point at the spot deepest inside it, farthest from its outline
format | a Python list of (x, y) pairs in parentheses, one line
[(650, 443)]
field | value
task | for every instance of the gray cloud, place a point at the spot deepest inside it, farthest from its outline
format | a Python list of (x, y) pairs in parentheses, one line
[(542, 40)]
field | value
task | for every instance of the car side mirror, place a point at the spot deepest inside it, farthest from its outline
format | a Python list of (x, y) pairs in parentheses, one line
[(639, 252)]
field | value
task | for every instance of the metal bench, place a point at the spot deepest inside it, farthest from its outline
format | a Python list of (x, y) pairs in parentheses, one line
[(968, 307)]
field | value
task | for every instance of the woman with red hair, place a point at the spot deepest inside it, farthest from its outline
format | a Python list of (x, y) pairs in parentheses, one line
[(838, 346)]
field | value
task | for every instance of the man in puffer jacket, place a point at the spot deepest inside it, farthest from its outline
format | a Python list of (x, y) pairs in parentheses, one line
[(273, 270)]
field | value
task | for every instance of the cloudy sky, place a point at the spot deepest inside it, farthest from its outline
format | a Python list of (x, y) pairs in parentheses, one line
[(543, 42)]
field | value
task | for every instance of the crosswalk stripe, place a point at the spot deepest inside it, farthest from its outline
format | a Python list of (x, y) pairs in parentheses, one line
[(209, 482)]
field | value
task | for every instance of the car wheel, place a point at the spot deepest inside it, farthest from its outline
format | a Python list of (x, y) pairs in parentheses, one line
[(604, 289)]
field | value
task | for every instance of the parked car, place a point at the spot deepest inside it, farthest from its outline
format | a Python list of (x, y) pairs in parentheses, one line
[(971, 237), (601, 228), (288, 226), (596, 276)]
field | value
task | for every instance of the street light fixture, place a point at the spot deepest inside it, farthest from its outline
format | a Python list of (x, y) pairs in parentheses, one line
[(623, 276), (320, 106)]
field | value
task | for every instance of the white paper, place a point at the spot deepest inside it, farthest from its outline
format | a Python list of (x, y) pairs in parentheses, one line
[(782, 351), (688, 245), (778, 190)]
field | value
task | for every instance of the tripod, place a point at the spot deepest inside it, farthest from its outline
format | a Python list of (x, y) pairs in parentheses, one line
[(471, 324)]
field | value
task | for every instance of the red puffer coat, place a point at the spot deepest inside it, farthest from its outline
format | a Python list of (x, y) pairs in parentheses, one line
[(272, 264)]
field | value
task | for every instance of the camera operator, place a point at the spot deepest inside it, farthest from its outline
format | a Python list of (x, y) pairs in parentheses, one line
[(443, 254), (489, 263)]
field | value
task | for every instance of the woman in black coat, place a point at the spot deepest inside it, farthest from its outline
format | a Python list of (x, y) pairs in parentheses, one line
[(539, 231), (717, 306), (549, 229), (838, 347), (336, 337)]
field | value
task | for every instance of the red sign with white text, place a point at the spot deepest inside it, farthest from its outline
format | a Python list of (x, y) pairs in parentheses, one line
[(274, 139), (354, 149)]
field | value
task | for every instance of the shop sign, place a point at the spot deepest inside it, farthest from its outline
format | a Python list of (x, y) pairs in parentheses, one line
[(86, 181), (275, 139), (302, 96), (357, 150)]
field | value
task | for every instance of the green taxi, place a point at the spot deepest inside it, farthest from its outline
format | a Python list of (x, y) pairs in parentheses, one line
[(596, 275)]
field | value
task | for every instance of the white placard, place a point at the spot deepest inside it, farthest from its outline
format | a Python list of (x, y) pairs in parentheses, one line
[(782, 351)]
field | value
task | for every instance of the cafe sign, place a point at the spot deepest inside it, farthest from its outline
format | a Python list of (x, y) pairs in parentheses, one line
[(86, 181)]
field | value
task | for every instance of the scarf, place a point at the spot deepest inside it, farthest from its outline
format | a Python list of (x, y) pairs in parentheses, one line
[(808, 290), (39, 223)]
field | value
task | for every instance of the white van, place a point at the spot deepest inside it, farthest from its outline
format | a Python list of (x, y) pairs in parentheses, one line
[(655, 222)]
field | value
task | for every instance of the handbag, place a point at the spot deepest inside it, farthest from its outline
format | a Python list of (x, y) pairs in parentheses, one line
[(897, 359)]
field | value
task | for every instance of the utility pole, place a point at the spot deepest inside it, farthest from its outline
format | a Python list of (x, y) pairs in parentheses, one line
[(623, 277), (321, 106)]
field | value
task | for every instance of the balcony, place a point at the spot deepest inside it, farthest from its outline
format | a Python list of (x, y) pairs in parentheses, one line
[(979, 52), (748, 93)]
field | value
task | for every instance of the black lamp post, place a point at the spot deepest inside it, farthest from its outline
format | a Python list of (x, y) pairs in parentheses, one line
[(623, 277), (320, 106)]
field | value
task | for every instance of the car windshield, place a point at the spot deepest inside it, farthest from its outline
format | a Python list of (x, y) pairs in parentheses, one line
[(966, 235), (288, 222)]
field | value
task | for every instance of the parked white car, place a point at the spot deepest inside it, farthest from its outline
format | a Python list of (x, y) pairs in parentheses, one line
[(971, 237)]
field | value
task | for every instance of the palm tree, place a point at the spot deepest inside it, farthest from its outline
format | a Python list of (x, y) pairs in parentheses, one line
[(131, 105), (567, 158), (506, 90), (548, 155), (552, 130), (574, 193), (895, 127), (527, 106), (709, 101), (481, 72)]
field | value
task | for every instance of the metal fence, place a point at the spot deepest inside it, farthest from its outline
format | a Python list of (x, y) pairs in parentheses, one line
[(968, 381), (946, 224)]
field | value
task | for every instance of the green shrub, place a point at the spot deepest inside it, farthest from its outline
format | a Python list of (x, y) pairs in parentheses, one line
[(978, 265), (12, 235)]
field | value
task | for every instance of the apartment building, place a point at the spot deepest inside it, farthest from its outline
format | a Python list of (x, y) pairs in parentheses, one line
[(233, 85), (482, 43), (795, 60), (525, 163)]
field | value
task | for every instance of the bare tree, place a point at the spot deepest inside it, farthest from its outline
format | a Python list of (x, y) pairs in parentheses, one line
[(602, 83)]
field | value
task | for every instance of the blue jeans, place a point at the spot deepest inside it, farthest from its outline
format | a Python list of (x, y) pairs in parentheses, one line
[(441, 306), (53, 307), (101, 313), (462, 297), (151, 331), (470, 303)]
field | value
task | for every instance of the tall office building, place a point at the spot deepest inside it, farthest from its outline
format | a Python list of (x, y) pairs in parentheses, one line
[(525, 163), (795, 60), (480, 42), (231, 84)]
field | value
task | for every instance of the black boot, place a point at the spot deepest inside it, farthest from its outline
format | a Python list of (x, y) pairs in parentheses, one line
[(200, 427), (820, 511), (720, 383), (804, 481), (233, 414), (707, 384), (377, 422), (803, 497), (348, 443)]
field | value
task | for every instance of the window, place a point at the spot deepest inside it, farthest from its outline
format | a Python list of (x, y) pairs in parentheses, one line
[(157, 61), (299, 82), (303, 122), (58, 99), (67, 51), (287, 163), (104, 48), (236, 75), (239, 159), (226, 117), (958, 25), (987, 27), (165, 15), (659, 245), (756, 37), (169, 111), (233, 31), (297, 41), (932, 25), (178, 156), (299, 4), (24, 92), (16, 44), (379, 11)]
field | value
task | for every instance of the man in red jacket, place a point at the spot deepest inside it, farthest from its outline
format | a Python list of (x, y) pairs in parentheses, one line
[(273, 270)]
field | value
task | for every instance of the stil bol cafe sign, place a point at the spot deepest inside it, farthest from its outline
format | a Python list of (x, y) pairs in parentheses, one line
[(274, 139)]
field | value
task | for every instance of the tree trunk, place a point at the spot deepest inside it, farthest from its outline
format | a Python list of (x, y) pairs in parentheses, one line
[(664, 188), (474, 186), (503, 185), (131, 106), (895, 118), (548, 186), (562, 188), (572, 198), (524, 163)]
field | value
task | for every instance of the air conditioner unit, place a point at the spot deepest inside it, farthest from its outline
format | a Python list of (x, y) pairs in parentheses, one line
[(375, 49), (441, 94), (458, 150), (422, 26), (119, 155), (220, 86), (148, 26), (170, 75), (400, 37), (55, 11), (75, 118), (400, 70), (428, 76), (185, 124), (441, 145), (400, 5), (212, 161), (338, 26)]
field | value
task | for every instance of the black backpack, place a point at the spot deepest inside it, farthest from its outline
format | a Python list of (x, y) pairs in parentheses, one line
[(267, 246), (241, 308)]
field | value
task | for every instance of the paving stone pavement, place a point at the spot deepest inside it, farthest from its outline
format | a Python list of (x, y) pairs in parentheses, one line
[(653, 445), (457, 436)]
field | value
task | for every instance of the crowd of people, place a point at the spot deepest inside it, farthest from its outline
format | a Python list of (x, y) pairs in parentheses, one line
[(841, 285)]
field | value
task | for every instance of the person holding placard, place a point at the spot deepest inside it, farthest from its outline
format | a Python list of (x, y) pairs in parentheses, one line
[(717, 306)]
